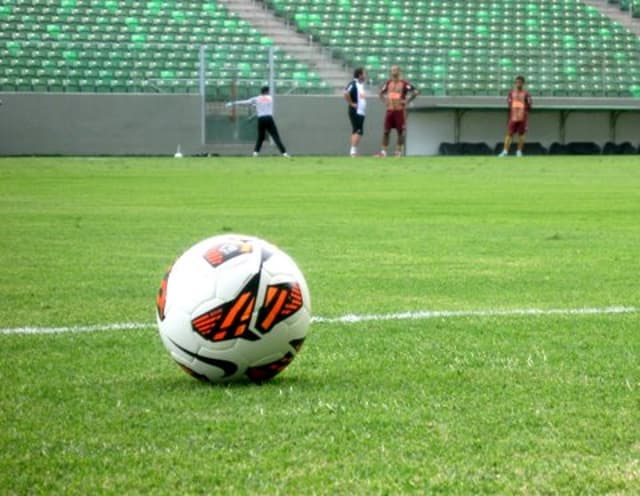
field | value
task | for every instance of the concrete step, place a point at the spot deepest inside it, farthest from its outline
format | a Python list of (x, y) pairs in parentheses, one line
[(298, 45), (614, 13)]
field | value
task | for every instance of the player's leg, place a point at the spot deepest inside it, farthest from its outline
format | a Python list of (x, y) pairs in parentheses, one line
[(508, 139), (401, 128), (388, 125), (273, 131), (385, 143), (522, 137), (399, 142), (262, 132), (507, 144), (355, 140), (357, 126)]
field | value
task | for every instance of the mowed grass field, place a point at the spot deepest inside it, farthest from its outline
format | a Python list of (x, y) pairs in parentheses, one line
[(494, 404)]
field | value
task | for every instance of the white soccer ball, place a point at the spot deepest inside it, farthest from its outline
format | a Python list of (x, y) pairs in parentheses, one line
[(233, 307)]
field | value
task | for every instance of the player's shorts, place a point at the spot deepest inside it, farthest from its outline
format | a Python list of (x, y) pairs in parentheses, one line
[(357, 122), (395, 119), (519, 127)]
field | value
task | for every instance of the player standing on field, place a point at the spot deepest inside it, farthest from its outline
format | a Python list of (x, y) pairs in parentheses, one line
[(519, 101), (355, 96), (396, 94), (264, 109)]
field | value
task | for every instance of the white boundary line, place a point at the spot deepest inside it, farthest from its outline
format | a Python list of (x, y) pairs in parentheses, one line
[(121, 326), (352, 318), (444, 314)]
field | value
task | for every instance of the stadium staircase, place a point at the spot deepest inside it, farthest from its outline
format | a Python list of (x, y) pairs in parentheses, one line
[(619, 12), (285, 36)]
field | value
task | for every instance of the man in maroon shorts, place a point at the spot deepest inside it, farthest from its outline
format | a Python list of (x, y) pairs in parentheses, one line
[(519, 101), (396, 94)]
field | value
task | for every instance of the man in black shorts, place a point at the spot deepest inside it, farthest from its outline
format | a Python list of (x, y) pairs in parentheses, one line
[(264, 108), (355, 96)]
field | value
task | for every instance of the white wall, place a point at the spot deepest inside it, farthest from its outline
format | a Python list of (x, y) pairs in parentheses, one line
[(130, 124), (588, 126), (426, 131), (433, 122), (628, 128)]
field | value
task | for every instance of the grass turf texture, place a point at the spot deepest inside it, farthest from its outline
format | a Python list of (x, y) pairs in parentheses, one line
[(466, 405)]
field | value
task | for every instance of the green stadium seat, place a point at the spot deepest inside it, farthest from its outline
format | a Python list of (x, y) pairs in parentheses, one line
[(471, 43), (99, 43)]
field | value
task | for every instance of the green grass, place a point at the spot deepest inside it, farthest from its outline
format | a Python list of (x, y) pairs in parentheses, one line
[(528, 404)]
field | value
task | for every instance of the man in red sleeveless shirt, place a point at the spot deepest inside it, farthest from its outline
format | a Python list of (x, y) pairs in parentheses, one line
[(519, 101), (396, 94)]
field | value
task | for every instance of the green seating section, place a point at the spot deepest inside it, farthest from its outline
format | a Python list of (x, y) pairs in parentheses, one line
[(476, 47), (631, 6), (137, 46)]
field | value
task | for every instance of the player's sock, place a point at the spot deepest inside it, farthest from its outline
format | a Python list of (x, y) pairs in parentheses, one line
[(354, 151)]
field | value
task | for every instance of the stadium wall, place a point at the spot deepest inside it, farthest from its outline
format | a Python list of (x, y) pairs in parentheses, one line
[(483, 119), (121, 124), (95, 124), (428, 130)]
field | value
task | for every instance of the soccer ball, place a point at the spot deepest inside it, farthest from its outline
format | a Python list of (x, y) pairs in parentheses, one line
[(233, 307)]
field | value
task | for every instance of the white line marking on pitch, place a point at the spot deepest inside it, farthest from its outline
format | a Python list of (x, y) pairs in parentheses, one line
[(443, 314), (122, 326), (352, 318)]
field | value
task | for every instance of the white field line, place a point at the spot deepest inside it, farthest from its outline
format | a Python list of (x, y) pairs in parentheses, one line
[(120, 326), (444, 314), (352, 318)]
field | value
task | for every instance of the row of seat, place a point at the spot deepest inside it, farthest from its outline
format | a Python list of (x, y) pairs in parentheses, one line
[(101, 45), (555, 42), (221, 89), (566, 46)]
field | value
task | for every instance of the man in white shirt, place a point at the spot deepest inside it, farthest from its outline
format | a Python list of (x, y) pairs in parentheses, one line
[(266, 124), (355, 96)]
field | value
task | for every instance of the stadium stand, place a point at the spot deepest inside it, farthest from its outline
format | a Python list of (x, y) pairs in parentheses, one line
[(129, 46), (474, 47), (457, 47)]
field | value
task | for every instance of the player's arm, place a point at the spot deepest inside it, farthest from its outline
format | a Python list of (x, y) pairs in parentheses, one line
[(250, 101), (413, 93), (347, 96), (383, 91), (529, 102), (509, 102)]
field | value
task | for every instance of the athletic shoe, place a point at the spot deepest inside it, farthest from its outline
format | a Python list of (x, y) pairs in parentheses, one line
[(398, 154), (286, 155), (255, 154), (518, 153), (381, 154), (503, 153)]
